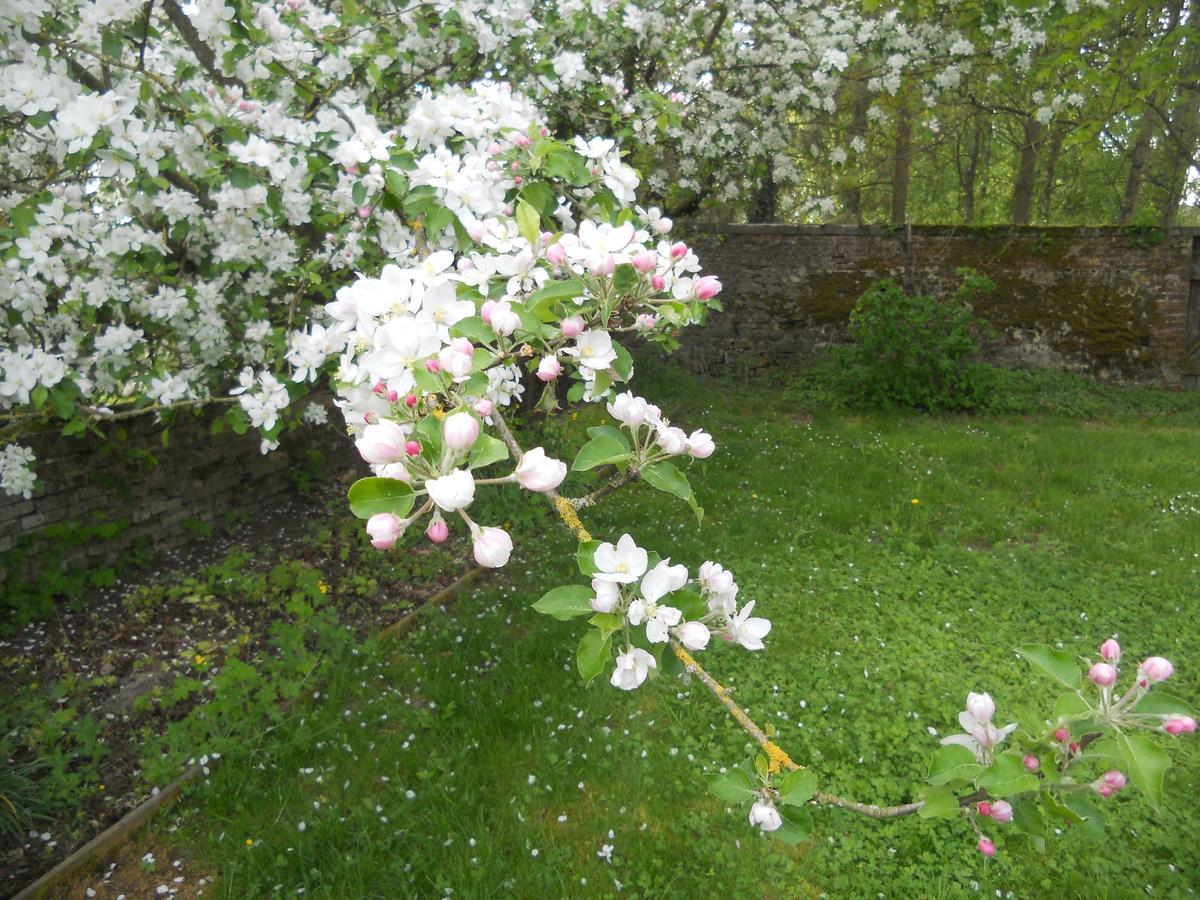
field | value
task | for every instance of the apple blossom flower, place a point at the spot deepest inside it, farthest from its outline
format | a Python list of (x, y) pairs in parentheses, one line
[(460, 430), (1154, 669), (645, 261), (748, 631), (452, 492), (628, 409), (1110, 651), (693, 635), (594, 350), (765, 816), (707, 287), (503, 320), (673, 441), (572, 326), (981, 735), (632, 668), (385, 529), (538, 472), (484, 407), (624, 563), (382, 442), (492, 547)]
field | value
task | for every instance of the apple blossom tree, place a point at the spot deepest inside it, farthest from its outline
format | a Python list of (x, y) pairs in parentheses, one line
[(183, 186)]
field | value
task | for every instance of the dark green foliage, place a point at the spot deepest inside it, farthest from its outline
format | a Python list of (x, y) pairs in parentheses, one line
[(914, 350)]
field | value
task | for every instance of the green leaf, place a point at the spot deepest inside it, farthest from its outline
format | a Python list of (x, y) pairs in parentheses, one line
[(358, 193), (585, 557), (487, 450), (1157, 703), (539, 195), (529, 222), (1092, 825), (1006, 776), (688, 602), (797, 824), (597, 431), (1060, 666), (953, 762), (568, 166), (599, 451), (938, 803), (242, 178), (427, 381), (665, 477), (1068, 706), (798, 787), (1147, 763), (111, 43), (593, 654), (623, 364), (1027, 817), (475, 329), (566, 602), (733, 785), (555, 290), (436, 220), (397, 184), (609, 623), (371, 496)]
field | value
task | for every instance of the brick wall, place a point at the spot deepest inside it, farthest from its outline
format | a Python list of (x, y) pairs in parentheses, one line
[(160, 492), (1106, 300)]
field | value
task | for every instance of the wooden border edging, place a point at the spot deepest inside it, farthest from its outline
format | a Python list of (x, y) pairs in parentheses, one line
[(441, 598), (111, 836), (125, 827)]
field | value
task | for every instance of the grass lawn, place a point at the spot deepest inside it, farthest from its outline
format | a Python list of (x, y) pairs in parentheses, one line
[(469, 759)]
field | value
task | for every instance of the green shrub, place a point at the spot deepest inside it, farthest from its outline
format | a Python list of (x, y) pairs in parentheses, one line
[(916, 350)]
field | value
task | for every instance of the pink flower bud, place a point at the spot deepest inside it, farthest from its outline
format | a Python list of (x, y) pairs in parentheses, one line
[(679, 250), (556, 255), (707, 287), (485, 311), (432, 365), (985, 808), (393, 396), (364, 212), (645, 322), (522, 141), (604, 266), (485, 407), (462, 345), (493, 149), (412, 448), (410, 401), (385, 529), (246, 106), (352, 169), (1032, 763), (492, 547), (572, 326), (549, 368), (1155, 669), (1110, 651), (1073, 747), (1102, 675), (1002, 811), (518, 180), (986, 847), (645, 261), (437, 531), (544, 131), (1179, 725), (1061, 734), (460, 430), (657, 282), (1114, 779), (1105, 790), (379, 388), (477, 231)]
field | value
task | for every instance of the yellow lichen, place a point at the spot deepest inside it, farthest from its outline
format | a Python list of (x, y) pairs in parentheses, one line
[(570, 518)]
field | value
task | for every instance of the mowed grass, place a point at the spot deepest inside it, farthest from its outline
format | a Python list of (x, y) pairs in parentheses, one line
[(901, 558)]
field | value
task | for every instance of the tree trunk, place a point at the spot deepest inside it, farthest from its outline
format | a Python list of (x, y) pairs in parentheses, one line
[(1137, 169), (966, 175), (1022, 200), (1184, 127), (1056, 142), (764, 202), (902, 161)]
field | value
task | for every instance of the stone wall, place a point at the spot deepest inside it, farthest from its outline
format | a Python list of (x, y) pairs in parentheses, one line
[(1112, 301), (160, 496)]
